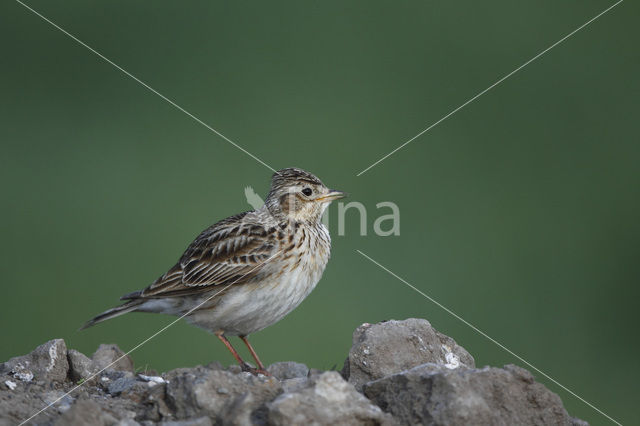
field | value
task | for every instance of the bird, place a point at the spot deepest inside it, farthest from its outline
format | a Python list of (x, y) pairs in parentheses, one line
[(248, 271)]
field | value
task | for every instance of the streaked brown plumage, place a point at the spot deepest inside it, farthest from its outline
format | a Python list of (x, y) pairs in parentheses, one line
[(248, 271)]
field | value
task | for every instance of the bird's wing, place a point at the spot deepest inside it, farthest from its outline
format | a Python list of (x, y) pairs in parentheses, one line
[(232, 251)]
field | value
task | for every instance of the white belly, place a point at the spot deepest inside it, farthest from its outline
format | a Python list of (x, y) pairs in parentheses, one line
[(247, 308)]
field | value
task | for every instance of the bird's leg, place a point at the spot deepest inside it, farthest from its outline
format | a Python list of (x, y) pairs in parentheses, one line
[(261, 368), (243, 365)]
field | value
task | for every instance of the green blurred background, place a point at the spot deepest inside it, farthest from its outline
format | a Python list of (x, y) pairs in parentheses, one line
[(520, 212)]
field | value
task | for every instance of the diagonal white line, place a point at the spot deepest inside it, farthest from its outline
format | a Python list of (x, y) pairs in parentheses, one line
[(145, 85), (491, 87), (151, 337), (476, 329)]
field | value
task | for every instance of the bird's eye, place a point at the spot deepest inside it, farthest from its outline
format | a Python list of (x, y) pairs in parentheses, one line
[(307, 191)]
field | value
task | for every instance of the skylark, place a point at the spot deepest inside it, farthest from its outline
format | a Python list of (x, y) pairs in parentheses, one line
[(248, 271)]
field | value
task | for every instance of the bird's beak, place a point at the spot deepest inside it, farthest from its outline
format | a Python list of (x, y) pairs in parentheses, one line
[(332, 195)]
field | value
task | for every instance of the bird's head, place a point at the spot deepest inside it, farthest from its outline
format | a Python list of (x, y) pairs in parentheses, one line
[(299, 195)]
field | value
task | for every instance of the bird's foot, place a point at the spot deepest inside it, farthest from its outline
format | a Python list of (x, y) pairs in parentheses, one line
[(255, 371)]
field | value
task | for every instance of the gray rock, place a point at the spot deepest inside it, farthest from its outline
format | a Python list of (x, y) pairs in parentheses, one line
[(246, 409), (8, 384), (446, 390), (108, 377), (327, 400), (288, 370), (200, 421), (295, 384), (47, 362), (81, 367), (120, 385), (128, 422), (58, 400), (220, 394), (215, 365), (86, 412), (111, 357), (390, 347), (432, 394)]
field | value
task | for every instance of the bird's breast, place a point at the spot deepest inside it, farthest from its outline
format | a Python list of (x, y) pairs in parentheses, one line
[(280, 288)]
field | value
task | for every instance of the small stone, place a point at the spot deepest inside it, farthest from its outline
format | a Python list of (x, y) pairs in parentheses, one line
[(128, 422), (288, 370), (215, 365), (327, 399), (234, 368), (200, 421), (81, 367), (47, 362), (111, 357), (109, 375), (11, 385), (196, 392), (21, 373), (152, 379), (60, 400), (86, 412), (120, 385), (435, 394), (390, 347), (294, 385)]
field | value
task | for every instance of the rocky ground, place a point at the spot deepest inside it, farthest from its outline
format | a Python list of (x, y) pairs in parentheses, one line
[(397, 372)]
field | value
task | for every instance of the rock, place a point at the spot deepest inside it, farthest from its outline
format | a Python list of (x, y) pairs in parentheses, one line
[(390, 347), (108, 377), (58, 400), (120, 385), (295, 384), (446, 389), (111, 357), (218, 393), (433, 394), (152, 379), (215, 365), (327, 400), (288, 370), (81, 367), (47, 362), (86, 412), (200, 421), (246, 409), (8, 384)]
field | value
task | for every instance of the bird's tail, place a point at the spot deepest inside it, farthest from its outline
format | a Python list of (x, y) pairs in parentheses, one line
[(129, 306)]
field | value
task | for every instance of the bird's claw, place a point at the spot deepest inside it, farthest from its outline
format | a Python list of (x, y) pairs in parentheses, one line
[(255, 371)]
